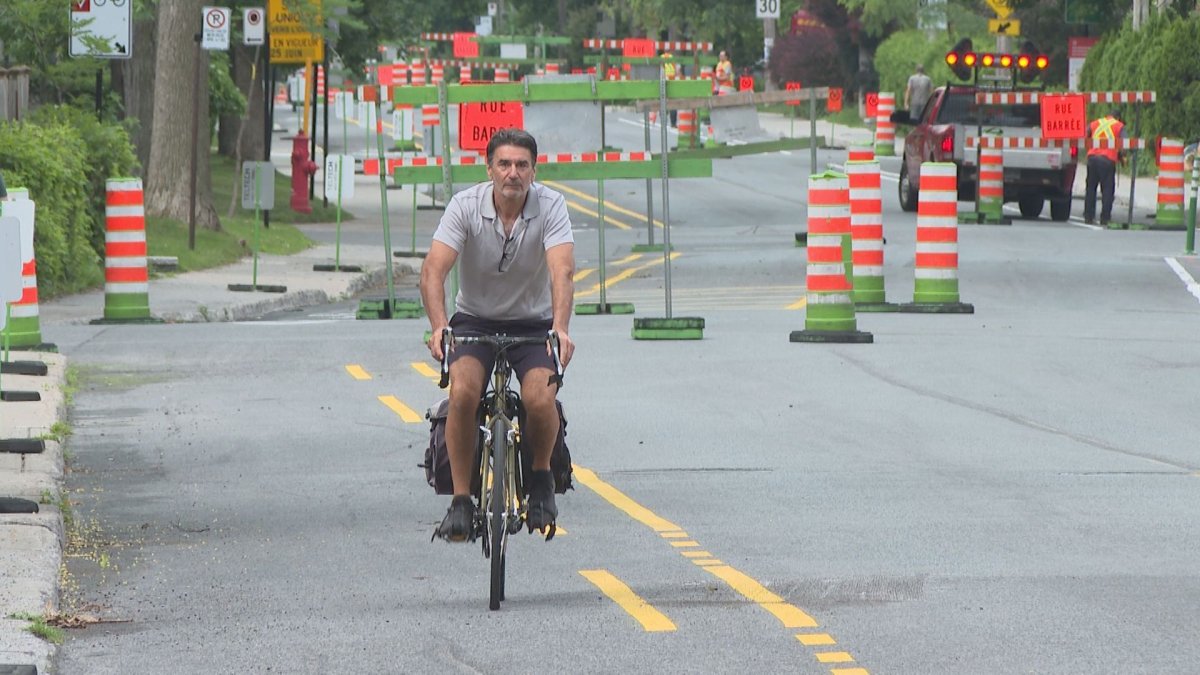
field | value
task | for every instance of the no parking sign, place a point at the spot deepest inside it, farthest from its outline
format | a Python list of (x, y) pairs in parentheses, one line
[(872, 104)]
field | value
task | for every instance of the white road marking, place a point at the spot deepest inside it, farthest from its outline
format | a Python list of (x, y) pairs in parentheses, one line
[(1188, 281)]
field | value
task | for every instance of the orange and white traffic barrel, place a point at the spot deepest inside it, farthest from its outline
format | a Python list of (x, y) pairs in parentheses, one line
[(1170, 184), (552, 69), (418, 73), (860, 153), (829, 313), (126, 278), (24, 329), (936, 261), (885, 130), (501, 75), (687, 128), (991, 183), (464, 72), (400, 74), (866, 230)]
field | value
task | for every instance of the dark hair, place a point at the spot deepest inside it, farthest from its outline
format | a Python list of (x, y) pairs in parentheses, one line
[(512, 136)]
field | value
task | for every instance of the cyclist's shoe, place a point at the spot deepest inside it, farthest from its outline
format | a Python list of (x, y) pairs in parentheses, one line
[(541, 511), (459, 523)]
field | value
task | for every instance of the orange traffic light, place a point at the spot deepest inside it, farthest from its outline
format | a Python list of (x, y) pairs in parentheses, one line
[(1006, 60), (1042, 61), (961, 59), (987, 60)]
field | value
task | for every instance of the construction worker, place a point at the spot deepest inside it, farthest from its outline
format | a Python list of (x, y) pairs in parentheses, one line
[(723, 74), (1102, 158), (669, 70)]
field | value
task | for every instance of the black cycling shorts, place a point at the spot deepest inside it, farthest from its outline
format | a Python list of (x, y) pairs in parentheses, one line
[(523, 358)]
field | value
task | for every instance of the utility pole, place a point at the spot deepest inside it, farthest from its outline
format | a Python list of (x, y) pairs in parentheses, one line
[(768, 45)]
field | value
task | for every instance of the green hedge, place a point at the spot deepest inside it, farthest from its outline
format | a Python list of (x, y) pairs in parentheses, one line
[(64, 156)]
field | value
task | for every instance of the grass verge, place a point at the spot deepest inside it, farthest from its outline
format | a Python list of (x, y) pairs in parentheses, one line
[(39, 627), (167, 237)]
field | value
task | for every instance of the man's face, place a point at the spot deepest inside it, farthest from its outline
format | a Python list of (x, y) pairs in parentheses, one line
[(511, 171), (723, 56)]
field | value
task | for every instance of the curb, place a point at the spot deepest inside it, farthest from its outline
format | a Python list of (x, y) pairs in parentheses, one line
[(31, 545)]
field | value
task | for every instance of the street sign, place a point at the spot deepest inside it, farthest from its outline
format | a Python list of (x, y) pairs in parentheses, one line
[(1064, 115), (102, 29), (637, 48), (834, 103), (792, 86), (10, 262), (402, 124), (253, 26), (262, 173), (291, 42), (872, 104), (745, 83), (483, 27), (492, 9), (1000, 7), (478, 121), (1008, 27), (465, 46), (332, 173), (766, 9), (214, 28)]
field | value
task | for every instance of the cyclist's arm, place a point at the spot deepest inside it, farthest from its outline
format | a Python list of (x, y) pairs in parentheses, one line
[(561, 262), (437, 265)]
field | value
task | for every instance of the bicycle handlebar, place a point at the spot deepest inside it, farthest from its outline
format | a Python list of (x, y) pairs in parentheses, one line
[(499, 343)]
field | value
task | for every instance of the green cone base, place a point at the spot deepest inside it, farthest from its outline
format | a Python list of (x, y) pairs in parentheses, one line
[(380, 308), (979, 218), (589, 308), (936, 308), (126, 306), (678, 328), (21, 333), (648, 248), (840, 336), (876, 307)]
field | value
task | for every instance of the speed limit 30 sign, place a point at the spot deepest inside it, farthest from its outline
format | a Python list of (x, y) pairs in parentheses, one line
[(766, 9)]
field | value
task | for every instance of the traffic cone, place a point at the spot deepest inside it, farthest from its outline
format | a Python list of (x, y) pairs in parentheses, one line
[(24, 329), (711, 140), (829, 316), (860, 153), (126, 278), (866, 230), (1169, 213), (935, 288), (885, 129)]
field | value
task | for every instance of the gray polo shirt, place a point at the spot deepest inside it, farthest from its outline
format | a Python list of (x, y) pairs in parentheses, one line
[(471, 227)]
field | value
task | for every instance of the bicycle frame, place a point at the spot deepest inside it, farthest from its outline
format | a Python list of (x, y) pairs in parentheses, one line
[(501, 496)]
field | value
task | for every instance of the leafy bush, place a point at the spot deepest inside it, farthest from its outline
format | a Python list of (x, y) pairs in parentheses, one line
[(108, 153), (50, 160), (811, 59)]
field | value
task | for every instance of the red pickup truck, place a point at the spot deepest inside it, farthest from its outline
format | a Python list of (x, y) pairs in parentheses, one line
[(1031, 176)]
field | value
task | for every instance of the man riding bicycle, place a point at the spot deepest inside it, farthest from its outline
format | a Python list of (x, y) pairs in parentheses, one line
[(514, 239)]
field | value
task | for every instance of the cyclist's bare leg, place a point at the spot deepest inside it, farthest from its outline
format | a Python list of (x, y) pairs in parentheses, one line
[(541, 415), (462, 430)]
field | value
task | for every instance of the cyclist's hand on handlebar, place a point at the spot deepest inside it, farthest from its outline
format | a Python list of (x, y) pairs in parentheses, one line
[(565, 347), (435, 344)]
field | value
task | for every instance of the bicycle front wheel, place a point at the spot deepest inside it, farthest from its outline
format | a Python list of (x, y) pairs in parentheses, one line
[(498, 530)]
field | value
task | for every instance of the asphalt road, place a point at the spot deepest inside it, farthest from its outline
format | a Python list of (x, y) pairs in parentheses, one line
[(1013, 490)]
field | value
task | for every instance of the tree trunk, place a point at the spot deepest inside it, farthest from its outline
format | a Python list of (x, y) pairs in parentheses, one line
[(169, 171), (137, 86), (249, 127)]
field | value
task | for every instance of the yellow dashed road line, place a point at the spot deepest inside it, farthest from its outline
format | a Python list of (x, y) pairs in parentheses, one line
[(583, 209), (789, 615), (652, 620), (623, 275), (357, 372), (426, 370), (583, 195), (407, 414)]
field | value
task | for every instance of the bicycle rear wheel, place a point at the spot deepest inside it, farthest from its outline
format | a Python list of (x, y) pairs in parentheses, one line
[(498, 530)]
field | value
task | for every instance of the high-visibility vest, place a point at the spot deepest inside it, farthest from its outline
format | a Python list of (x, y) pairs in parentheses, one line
[(669, 69), (1106, 128)]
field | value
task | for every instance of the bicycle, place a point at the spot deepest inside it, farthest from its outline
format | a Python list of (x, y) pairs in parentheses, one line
[(499, 495)]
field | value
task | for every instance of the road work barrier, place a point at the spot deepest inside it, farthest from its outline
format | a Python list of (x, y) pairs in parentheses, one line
[(580, 166), (1103, 98), (829, 313), (866, 230), (23, 329), (11, 290), (1169, 213), (860, 153), (935, 288), (126, 277), (885, 129), (989, 199)]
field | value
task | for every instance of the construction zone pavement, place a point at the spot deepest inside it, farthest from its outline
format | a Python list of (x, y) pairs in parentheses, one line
[(32, 544)]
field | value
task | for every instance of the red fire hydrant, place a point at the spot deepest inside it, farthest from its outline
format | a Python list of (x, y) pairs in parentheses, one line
[(302, 168)]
